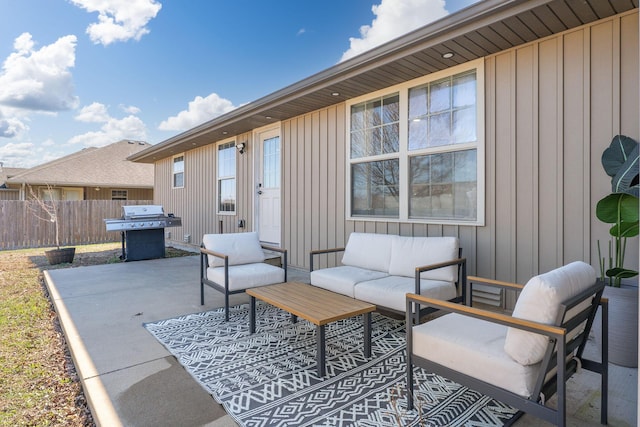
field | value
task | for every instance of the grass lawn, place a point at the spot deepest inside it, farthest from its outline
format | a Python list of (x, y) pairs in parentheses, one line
[(38, 382)]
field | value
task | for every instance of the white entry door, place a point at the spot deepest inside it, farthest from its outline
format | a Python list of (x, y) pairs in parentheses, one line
[(268, 187)]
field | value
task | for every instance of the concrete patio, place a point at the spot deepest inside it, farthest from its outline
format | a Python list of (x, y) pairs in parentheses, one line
[(130, 379)]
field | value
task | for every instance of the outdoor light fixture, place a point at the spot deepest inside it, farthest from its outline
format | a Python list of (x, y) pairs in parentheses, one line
[(240, 147), (447, 55), (335, 93)]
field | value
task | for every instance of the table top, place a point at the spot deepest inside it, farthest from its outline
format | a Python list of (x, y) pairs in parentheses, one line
[(318, 306)]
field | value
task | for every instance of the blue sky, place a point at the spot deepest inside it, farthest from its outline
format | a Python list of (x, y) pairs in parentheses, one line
[(81, 73)]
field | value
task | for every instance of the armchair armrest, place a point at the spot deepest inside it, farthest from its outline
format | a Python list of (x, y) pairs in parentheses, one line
[(321, 251), (205, 251), (282, 251), (490, 316)]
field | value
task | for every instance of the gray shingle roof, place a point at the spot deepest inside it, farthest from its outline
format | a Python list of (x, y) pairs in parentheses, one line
[(101, 167)]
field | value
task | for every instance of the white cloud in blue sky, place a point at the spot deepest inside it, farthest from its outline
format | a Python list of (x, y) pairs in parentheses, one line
[(119, 20), (166, 68)]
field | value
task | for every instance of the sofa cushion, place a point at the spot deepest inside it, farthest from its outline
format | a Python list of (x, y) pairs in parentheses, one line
[(242, 248), (540, 301), (476, 348), (343, 279), (410, 252), (247, 276), (369, 251), (391, 291)]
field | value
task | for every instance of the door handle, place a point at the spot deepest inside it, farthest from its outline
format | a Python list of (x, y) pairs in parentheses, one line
[(259, 191)]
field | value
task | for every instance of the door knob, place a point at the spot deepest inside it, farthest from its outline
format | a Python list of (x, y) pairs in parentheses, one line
[(259, 191)]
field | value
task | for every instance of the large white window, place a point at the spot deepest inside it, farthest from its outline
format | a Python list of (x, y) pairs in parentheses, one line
[(178, 171), (226, 198), (416, 150)]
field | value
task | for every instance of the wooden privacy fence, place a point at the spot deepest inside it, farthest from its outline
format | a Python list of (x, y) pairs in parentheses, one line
[(23, 224)]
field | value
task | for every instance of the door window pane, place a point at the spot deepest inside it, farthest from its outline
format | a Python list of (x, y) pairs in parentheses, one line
[(271, 163)]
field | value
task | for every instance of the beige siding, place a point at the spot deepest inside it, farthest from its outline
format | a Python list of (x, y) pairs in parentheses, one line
[(551, 107)]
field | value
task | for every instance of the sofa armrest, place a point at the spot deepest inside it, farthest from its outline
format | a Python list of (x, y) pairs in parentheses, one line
[(462, 276), (321, 251)]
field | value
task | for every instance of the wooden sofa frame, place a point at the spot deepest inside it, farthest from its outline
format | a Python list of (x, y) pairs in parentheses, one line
[(559, 361), (224, 287)]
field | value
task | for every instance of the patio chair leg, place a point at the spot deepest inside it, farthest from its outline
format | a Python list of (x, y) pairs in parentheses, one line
[(409, 383), (226, 307), (201, 293)]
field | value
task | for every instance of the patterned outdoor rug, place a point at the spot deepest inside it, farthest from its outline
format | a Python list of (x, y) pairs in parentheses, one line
[(269, 378)]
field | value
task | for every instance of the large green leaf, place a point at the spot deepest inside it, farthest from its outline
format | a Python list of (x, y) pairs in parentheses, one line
[(625, 229), (620, 161), (618, 207)]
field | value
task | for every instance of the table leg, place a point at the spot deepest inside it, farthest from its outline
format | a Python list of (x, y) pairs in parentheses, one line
[(320, 350), (366, 317), (252, 315), (294, 318)]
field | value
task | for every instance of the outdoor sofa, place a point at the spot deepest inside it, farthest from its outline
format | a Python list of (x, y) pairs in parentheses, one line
[(382, 268), (521, 359), (234, 262)]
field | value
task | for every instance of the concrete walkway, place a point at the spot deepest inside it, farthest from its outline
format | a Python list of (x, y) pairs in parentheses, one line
[(130, 379)]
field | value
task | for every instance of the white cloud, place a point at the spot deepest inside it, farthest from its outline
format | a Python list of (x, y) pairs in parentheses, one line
[(94, 113), (112, 130), (39, 80), (11, 127), (130, 109), (16, 154), (119, 20), (200, 110), (393, 19)]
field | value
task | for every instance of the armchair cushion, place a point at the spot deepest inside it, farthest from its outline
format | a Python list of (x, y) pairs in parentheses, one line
[(242, 248), (540, 301), (411, 252), (475, 349), (369, 251), (391, 291), (247, 276)]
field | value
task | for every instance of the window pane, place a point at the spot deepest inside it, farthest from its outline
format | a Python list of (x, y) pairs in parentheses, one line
[(443, 186), (227, 195), (178, 180), (440, 95), (464, 90), (357, 117), (417, 102), (391, 109), (439, 130), (418, 133), (464, 125), (391, 135), (271, 163), (178, 164), (227, 159), (358, 144), (374, 188)]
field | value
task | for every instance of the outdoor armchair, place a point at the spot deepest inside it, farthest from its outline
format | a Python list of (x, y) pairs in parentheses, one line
[(521, 359), (234, 262)]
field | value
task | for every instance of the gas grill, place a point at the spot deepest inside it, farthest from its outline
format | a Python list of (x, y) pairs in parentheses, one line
[(142, 230)]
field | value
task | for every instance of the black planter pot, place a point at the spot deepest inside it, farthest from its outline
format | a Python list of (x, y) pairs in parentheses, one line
[(58, 256)]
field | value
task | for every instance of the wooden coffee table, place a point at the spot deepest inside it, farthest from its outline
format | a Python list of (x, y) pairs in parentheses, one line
[(316, 305)]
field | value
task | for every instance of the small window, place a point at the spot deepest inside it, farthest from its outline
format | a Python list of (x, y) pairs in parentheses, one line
[(118, 194), (178, 171), (226, 198)]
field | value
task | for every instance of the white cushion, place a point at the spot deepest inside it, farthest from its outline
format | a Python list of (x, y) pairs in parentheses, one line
[(476, 348), (242, 248), (410, 252), (540, 301), (343, 279), (368, 250), (391, 291), (247, 276)]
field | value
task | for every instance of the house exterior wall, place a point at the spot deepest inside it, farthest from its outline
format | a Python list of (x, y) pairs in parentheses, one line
[(551, 107)]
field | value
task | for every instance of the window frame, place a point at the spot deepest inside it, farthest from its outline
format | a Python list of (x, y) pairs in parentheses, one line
[(174, 173), (232, 145), (122, 192), (404, 155)]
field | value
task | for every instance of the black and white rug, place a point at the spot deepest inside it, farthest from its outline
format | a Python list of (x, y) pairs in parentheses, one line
[(269, 378)]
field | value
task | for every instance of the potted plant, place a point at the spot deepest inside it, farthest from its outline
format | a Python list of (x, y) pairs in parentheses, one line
[(48, 212), (620, 209)]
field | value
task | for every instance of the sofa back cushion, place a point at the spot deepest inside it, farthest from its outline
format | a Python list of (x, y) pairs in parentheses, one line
[(540, 301), (242, 248), (410, 252), (368, 250)]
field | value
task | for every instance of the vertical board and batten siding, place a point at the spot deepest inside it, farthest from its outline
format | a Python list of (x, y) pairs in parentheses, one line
[(551, 107), (195, 203)]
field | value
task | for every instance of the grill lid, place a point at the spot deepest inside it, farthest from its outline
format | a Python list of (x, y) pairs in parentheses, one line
[(142, 211)]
